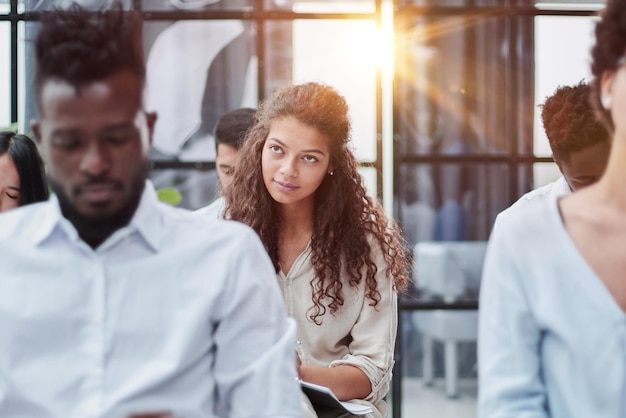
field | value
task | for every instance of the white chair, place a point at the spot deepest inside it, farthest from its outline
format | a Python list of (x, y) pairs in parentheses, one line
[(447, 269)]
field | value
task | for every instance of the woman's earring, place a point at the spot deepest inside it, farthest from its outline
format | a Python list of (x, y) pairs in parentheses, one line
[(606, 102), (330, 173)]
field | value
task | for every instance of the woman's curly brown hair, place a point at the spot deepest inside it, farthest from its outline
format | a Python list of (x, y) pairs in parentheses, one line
[(609, 48), (344, 215)]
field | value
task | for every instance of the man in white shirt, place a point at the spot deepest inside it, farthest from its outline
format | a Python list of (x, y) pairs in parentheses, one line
[(579, 142), (230, 133), (112, 303)]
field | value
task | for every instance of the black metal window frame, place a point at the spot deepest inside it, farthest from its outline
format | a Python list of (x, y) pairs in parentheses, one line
[(513, 159), (260, 15)]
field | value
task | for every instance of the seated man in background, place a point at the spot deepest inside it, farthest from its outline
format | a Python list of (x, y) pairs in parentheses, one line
[(230, 133), (112, 303), (580, 143)]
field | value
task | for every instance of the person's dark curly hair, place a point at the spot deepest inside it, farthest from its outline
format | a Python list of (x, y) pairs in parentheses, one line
[(29, 165), (570, 122), (609, 48), (80, 46), (345, 217)]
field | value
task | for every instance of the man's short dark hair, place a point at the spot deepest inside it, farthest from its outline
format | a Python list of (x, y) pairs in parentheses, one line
[(570, 121), (232, 127), (80, 46)]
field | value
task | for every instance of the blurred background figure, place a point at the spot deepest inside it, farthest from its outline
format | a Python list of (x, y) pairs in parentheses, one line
[(230, 134), (579, 141), (22, 175)]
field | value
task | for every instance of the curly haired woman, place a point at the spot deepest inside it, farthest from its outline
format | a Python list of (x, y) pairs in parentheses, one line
[(339, 260), (552, 328)]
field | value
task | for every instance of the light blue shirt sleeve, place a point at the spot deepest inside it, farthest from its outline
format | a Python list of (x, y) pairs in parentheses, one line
[(509, 364)]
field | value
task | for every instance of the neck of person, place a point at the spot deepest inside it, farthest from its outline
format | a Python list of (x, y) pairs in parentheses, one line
[(611, 185), (296, 220), (94, 231)]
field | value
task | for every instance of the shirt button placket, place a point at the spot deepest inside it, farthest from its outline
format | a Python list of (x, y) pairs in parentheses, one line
[(95, 341)]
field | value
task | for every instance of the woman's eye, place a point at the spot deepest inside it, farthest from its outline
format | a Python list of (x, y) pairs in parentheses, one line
[(310, 159), (14, 197), (275, 148)]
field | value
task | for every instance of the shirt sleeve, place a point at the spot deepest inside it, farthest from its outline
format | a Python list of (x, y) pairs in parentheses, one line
[(255, 365), (374, 335), (509, 363)]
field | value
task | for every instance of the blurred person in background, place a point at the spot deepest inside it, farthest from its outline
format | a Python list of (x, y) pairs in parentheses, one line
[(230, 134), (22, 174)]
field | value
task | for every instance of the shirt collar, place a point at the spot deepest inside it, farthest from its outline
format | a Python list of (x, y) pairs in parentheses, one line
[(147, 221)]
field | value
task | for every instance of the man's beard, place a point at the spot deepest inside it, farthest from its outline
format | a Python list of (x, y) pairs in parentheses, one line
[(95, 230)]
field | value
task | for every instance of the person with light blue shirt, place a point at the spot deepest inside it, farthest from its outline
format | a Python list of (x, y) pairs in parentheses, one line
[(552, 320), (113, 304)]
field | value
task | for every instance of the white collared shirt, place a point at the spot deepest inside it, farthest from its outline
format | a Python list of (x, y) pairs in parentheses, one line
[(171, 313), (213, 211)]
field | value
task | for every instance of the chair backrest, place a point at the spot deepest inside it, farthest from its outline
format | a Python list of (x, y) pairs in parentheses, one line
[(448, 268)]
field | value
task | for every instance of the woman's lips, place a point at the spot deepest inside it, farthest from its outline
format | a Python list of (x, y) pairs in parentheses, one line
[(285, 187)]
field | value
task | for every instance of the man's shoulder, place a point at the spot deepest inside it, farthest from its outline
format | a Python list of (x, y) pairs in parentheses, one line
[(539, 196), (211, 228), (527, 220), (23, 221), (535, 196), (214, 210)]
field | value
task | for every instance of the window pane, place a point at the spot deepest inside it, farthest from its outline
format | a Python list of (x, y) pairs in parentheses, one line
[(5, 75), (369, 179), (340, 54), (545, 173), (191, 90), (197, 188), (24, 124), (451, 202), (321, 6), (464, 85), (28, 109), (557, 64), (195, 5), (87, 4), (540, 4)]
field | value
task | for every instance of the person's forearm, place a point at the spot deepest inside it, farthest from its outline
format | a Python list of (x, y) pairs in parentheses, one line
[(347, 382)]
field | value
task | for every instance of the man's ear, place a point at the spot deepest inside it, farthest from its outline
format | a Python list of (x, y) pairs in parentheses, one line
[(35, 126), (151, 118)]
